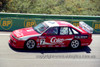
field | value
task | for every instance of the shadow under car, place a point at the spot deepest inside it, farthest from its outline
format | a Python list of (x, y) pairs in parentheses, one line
[(54, 50)]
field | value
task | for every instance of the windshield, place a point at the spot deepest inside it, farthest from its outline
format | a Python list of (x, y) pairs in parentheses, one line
[(40, 27)]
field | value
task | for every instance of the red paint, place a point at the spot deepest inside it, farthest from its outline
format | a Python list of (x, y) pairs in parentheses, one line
[(24, 32)]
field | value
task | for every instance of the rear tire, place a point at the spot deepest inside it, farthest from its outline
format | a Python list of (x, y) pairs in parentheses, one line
[(30, 44), (75, 44)]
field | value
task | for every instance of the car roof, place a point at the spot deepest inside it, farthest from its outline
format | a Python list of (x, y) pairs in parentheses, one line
[(58, 23), (61, 24)]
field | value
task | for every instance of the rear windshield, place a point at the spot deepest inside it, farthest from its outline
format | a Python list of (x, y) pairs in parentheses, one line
[(77, 28)]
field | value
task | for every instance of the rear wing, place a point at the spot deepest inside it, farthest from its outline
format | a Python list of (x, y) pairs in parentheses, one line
[(86, 27)]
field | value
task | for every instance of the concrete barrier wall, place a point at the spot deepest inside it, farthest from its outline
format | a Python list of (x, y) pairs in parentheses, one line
[(13, 21)]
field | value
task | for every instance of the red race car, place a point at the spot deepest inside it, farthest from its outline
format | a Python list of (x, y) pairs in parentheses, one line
[(52, 34)]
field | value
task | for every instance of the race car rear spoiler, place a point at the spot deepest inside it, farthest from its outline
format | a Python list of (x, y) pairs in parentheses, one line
[(86, 27)]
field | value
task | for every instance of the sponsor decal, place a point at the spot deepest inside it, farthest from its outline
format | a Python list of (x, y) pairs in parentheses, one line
[(76, 23), (29, 30), (29, 23), (81, 36), (42, 41), (96, 26), (5, 23), (54, 41), (18, 33)]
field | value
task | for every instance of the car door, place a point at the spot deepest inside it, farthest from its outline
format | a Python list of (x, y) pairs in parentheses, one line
[(50, 37), (67, 35)]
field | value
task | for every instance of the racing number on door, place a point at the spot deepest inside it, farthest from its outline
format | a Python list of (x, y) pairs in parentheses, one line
[(42, 41)]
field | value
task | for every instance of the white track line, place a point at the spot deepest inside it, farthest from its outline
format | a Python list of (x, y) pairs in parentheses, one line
[(4, 34)]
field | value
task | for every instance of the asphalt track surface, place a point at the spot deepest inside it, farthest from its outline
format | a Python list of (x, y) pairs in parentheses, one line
[(49, 57)]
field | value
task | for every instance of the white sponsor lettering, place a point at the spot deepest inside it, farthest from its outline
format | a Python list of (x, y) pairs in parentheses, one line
[(29, 30), (53, 41), (18, 33), (43, 42), (56, 40)]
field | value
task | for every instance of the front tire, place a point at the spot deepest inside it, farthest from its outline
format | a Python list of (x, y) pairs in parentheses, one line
[(75, 44), (30, 44)]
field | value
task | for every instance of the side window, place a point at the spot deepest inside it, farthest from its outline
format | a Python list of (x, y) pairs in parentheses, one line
[(64, 31), (70, 32), (52, 31), (75, 32)]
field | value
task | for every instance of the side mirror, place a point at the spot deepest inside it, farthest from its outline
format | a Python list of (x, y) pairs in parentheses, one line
[(44, 34)]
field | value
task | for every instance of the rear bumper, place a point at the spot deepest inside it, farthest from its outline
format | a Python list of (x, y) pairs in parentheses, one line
[(86, 42)]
